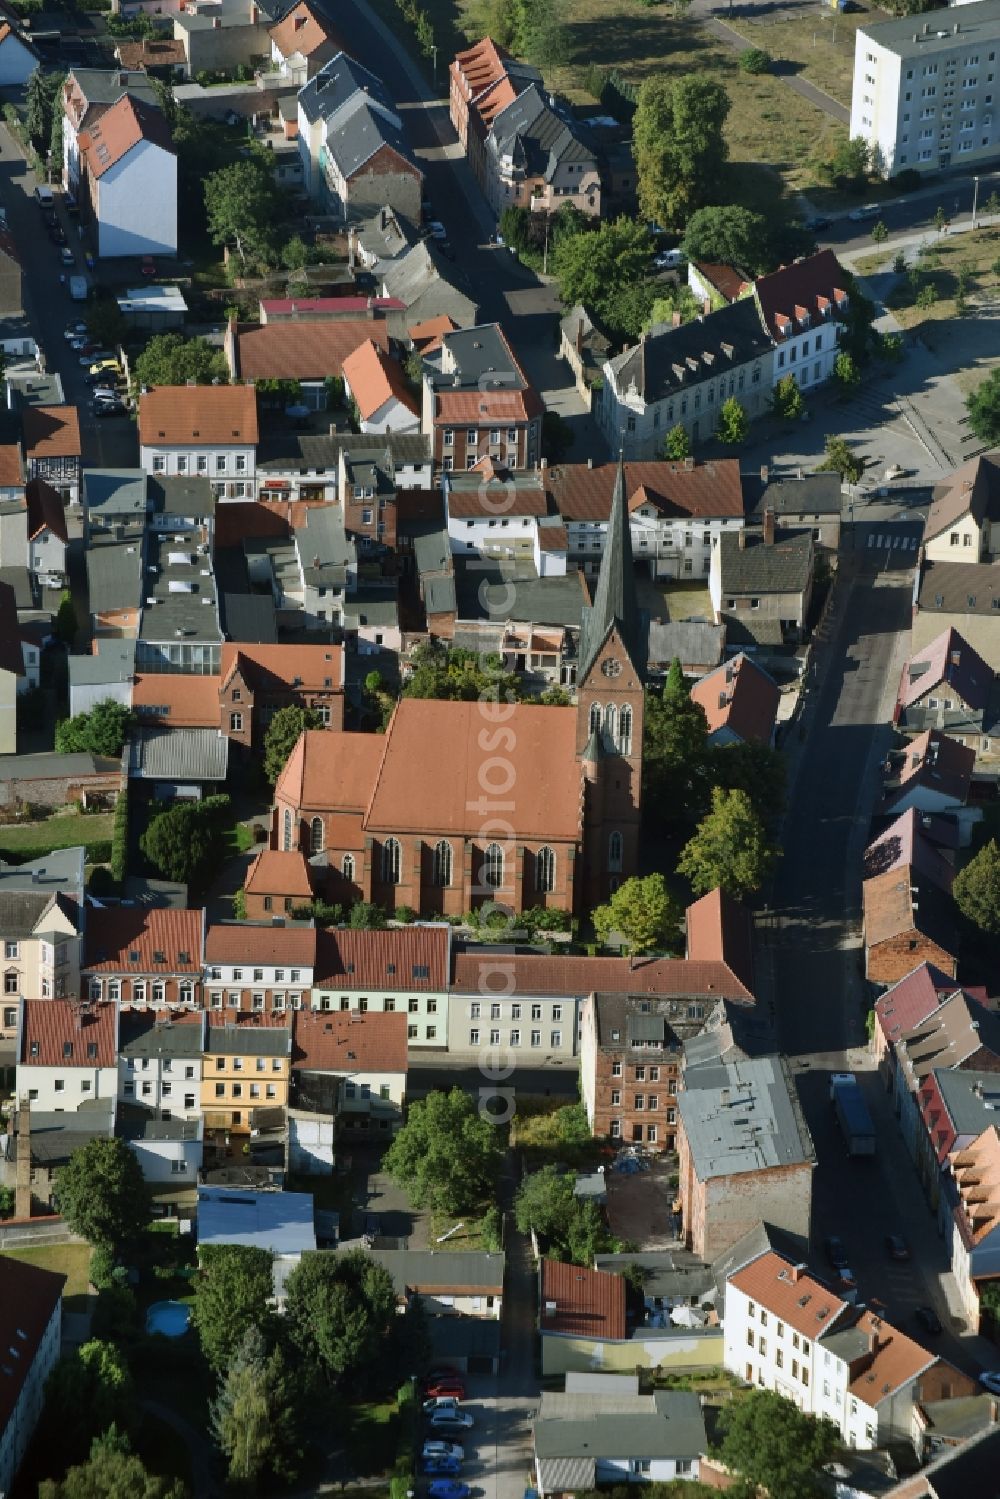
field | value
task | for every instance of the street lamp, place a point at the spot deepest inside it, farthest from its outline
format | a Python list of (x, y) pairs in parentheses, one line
[(975, 199), (434, 50)]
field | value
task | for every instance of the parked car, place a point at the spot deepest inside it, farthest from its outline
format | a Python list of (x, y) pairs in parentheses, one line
[(836, 1252), (436, 229), (99, 366), (66, 256), (76, 329), (453, 1420), (115, 407), (929, 1320), (990, 1380), (70, 204), (817, 222), (897, 1247), (441, 1403), (147, 266), (447, 1465), (101, 376), (445, 1384), (84, 345), (443, 1449), (669, 260), (866, 211), (57, 234), (448, 1488)]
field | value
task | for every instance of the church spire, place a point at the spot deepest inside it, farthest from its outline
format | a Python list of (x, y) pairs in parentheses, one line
[(614, 599)]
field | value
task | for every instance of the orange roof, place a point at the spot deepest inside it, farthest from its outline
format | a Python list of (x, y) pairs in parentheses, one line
[(718, 930), (740, 696), (414, 958), (68, 1033), (154, 52), (11, 465), (157, 940), (537, 973), (584, 1303), (190, 414), (29, 1296), (300, 349), (278, 873), (119, 129), (303, 30), (427, 336), (976, 1171), (791, 1293), (45, 510), (177, 701), (325, 1041), (373, 378), (311, 667), (330, 770), (245, 942), (458, 407), (51, 431), (703, 490), (894, 1360)]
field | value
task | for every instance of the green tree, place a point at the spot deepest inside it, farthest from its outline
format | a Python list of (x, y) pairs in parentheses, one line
[(366, 916), (677, 444), (7, 1202), (840, 460), (675, 741), (40, 95), (679, 146), (775, 1446), (643, 911), (105, 322), (926, 297), (572, 1229), (283, 734), (182, 841), (977, 889), (102, 1195), (729, 236), (604, 269), (879, 232), (112, 1471), (339, 1313), (754, 768), (87, 1391), (846, 372), (734, 424), (234, 1290), (411, 1335), (729, 848), (254, 1416), (447, 1156), (786, 402), (459, 675), (849, 165), (555, 697), (66, 623), (102, 731), (754, 60), (242, 206), (940, 218), (295, 253), (992, 205), (983, 406), (172, 359)]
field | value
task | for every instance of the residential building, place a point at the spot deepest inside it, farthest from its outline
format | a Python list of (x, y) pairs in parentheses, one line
[(310, 352), (180, 629), (169, 1149), (257, 681), (964, 596), (128, 178), (902, 1009), (258, 970), (375, 382), (246, 1070), (583, 1440), (302, 42), (174, 701), (585, 345), (798, 501), (400, 970), (52, 448), (18, 60), (491, 511), (745, 1154), (677, 511), (40, 920), (740, 701), (54, 1136), (87, 94), (932, 774), (974, 1226), (277, 882), (960, 1034), (907, 920), (52, 780), (761, 584), (483, 81), (160, 1062), (923, 94), (963, 522), (802, 307), (281, 1223), (915, 839), (350, 796), (478, 403), (948, 686), (422, 279), (461, 1283), (67, 1053), (114, 505), (352, 1066), (536, 157), (220, 35), (30, 1322), (785, 1330), (17, 340), (115, 590), (206, 431), (145, 957), (956, 1472), (355, 156), (47, 537)]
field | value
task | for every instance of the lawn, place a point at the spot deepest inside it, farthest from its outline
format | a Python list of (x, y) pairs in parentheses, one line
[(71, 1260), (371, 1436), (975, 253), (31, 840), (469, 1235), (819, 45)]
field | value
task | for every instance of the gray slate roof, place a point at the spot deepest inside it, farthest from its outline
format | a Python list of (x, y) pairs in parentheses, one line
[(420, 280), (55, 1136), (249, 1040), (20, 912), (742, 1116), (696, 644), (514, 591), (178, 755), (180, 597), (362, 127), (784, 566), (670, 1273), (442, 1270), (325, 550), (114, 576), (45, 766), (249, 617), (960, 588), (813, 494), (335, 84), (142, 1036), (61, 871), (113, 661), (186, 495), (614, 600), (664, 1425), (538, 136), (104, 85), (115, 491), (669, 360), (19, 579)]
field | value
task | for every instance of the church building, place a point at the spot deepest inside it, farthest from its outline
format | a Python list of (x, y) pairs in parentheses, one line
[(460, 804)]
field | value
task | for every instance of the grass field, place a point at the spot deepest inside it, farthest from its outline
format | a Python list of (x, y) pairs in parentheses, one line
[(71, 1260), (819, 44), (30, 840)]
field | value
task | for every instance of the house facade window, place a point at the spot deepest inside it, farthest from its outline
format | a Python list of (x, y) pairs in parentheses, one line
[(316, 839), (441, 873), (391, 862), (493, 866), (615, 853), (545, 871), (347, 866), (286, 831)]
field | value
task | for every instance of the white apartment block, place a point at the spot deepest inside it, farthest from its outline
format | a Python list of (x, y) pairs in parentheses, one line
[(426, 1013), (926, 89)]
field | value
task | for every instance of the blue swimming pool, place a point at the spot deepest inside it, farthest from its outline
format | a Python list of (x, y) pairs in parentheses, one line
[(170, 1318)]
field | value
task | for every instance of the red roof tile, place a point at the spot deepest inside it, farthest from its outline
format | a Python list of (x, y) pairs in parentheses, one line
[(45, 510), (395, 959), (949, 661), (427, 336), (581, 1302), (113, 936), (894, 1360), (237, 520), (806, 287), (275, 872), (304, 30), (302, 350), (676, 490), (939, 762), (188, 415), (180, 702), (28, 1298), (578, 977), (793, 1295), (327, 306), (373, 377), (51, 431), (740, 696), (912, 1000), (11, 465), (903, 843), (119, 129), (718, 931), (68, 1033), (243, 942), (270, 667), (327, 1041)]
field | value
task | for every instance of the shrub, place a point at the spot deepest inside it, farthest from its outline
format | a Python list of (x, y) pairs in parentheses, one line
[(755, 60), (119, 839)]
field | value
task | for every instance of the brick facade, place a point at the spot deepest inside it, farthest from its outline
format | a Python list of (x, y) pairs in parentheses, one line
[(720, 1211), (892, 960)]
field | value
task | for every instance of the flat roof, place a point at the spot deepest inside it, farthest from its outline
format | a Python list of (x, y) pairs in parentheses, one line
[(279, 1221), (941, 31), (180, 600), (740, 1116), (152, 299)]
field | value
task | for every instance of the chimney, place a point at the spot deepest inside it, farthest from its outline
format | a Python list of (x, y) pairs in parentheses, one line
[(590, 462), (994, 1412), (763, 473), (795, 1273), (22, 1180), (872, 1341), (742, 534), (706, 306), (769, 527), (675, 320), (545, 463)]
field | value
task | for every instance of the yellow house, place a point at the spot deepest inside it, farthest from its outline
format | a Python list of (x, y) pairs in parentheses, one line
[(963, 522), (246, 1068), (40, 949)]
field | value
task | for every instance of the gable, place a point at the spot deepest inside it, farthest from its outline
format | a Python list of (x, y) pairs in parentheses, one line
[(384, 162)]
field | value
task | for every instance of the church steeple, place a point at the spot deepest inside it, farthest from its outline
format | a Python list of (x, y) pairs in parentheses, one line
[(614, 599)]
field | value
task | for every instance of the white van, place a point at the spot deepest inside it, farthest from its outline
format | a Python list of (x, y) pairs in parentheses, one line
[(44, 196)]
